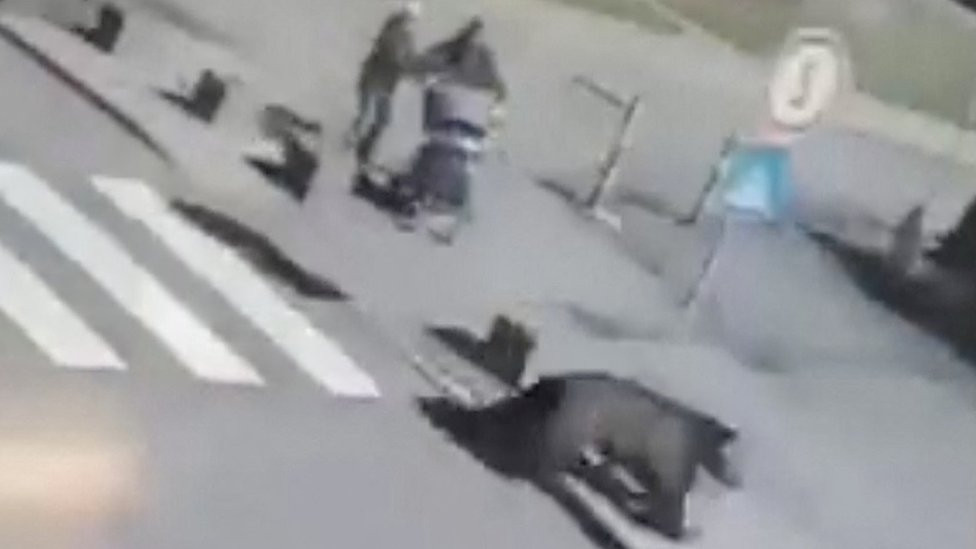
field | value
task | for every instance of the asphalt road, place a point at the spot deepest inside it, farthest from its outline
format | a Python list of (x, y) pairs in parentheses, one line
[(180, 457)]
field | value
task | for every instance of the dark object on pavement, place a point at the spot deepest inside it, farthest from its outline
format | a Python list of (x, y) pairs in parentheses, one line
[(388, 194), (504, 354), (105, 34), (205, 100), (638, 448), (297, 137), (295, 174)]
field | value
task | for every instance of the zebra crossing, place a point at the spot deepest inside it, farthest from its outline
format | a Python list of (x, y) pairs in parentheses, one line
[(64, 336)]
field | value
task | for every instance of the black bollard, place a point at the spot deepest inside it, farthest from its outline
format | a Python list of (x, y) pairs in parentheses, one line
[(205, 100), (208, 96), (105, 35), (506, 352)]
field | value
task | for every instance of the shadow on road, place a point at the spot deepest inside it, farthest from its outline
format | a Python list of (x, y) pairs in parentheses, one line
[(506, 450), (601, 326), (561, 190), (461, 341), (942, 303), (261, 253)]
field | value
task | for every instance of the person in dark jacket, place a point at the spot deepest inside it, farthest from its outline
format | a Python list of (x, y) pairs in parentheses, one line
[(466, 59), (390, 59)]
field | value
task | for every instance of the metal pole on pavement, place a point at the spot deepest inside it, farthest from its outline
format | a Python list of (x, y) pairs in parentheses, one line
[(610, 170), (610, 163)]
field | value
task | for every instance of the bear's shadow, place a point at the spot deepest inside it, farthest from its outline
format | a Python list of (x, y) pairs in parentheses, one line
[(509, 453)]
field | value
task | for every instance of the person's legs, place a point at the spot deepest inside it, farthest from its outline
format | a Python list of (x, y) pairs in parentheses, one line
[(359, 123), (379, 107)]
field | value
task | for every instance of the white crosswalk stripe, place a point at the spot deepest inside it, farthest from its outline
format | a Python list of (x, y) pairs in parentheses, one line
[(133, 288), (244, 289), (65, 338), (53, 327)]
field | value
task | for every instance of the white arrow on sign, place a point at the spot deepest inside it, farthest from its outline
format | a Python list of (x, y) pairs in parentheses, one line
[(811, 73)]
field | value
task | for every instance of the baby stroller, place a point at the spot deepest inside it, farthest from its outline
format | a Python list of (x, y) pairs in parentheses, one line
[(437, 184)]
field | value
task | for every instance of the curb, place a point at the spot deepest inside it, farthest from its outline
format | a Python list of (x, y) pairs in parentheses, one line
[(200, 153), (128, 122)]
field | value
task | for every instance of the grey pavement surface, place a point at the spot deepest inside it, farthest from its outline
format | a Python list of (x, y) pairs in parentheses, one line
[(857, 424)]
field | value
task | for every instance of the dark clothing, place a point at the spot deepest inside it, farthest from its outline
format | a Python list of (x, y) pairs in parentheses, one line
[(375, 111), (442, 172), (441, 176), (448, 106), (471, 64), (391, 57)]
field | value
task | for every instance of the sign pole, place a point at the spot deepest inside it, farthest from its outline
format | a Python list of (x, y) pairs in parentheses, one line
[(812, 71)]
